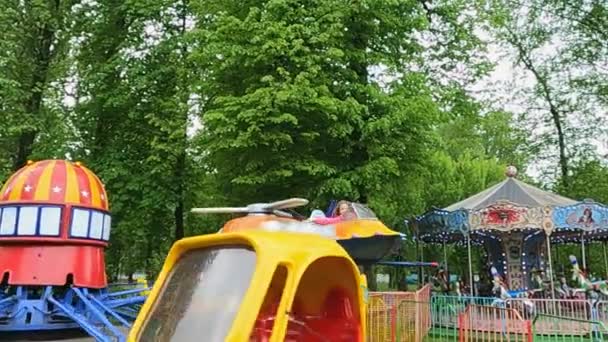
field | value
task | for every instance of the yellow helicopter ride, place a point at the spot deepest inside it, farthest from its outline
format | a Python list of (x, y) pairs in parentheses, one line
[(267, 276)]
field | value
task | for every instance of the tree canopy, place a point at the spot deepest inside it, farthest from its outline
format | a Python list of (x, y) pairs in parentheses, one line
[(177, 104)]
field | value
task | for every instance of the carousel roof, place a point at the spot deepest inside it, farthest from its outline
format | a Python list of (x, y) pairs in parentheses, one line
[(514, 205), (514, 191)]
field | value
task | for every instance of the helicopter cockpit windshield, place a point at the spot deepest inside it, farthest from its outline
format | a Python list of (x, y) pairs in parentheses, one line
[(355, 211), (363, 212), (199, 298)]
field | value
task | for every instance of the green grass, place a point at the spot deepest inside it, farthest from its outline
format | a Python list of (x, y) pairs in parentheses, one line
[(446, 334)]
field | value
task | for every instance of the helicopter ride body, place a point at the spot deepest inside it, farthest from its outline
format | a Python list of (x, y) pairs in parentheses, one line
[(266, 276), (366, 239), (256, 286)]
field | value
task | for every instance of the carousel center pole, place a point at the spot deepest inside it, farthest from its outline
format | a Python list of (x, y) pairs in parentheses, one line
[(583, 249), (550, 265), (470, 263), (605, 258), (445, 257), (445, 261)]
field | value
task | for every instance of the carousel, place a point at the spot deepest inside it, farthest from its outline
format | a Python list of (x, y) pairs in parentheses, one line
[(516, 224)]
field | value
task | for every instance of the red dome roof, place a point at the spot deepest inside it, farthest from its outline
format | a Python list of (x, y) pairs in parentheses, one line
[(58, 182)]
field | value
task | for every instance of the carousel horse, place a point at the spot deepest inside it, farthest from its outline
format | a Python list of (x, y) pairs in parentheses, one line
[(593, 289), (504, 296), (538, 284), (564, 290)]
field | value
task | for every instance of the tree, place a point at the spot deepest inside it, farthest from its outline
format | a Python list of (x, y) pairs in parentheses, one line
[(32, 48), (559, 55), (131, 122)]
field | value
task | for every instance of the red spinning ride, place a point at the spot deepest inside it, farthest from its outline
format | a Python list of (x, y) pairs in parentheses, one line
[(54, 226)]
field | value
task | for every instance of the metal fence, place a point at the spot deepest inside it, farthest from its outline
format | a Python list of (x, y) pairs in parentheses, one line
[(399, 316), (490, 323), (595, 332)]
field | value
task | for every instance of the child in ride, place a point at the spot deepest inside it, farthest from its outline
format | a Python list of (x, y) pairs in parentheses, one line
[(344, 212)]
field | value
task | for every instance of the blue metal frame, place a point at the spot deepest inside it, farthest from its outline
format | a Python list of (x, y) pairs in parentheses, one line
[(30, 308)]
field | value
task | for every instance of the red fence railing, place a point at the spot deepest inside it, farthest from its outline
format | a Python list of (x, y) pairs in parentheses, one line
[(490, 323)]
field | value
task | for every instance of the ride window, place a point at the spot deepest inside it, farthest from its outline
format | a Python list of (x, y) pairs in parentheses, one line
[(201, 296), (28, 217), (107, 223), (30, 220), (8, 223), (92, 224), (267, 315), (96, 227), (50, 221), (80, 223)]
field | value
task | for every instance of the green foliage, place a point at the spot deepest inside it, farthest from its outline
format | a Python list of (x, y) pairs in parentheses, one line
[(589, 180), (363, 100)]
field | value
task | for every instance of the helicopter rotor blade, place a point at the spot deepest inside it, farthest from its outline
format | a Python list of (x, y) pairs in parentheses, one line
[(287, 204), (283, 213), (225, 210)]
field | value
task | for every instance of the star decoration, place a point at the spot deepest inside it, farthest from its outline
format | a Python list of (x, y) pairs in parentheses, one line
[(84, 194), (56, 189), (27, 188)]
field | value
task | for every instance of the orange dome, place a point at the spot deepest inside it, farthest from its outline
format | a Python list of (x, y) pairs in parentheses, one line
[(58, 182)]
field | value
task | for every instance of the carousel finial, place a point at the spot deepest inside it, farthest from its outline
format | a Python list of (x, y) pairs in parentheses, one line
[(511, 171)]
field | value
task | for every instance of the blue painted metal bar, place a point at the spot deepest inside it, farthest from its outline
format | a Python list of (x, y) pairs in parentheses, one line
[(127, 292), (408, 263), (81, 320), (109, 311), (125, 301), (82, 294), (100, 313)]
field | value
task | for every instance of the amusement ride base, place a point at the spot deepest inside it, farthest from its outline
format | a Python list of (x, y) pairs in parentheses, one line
[(36, 312)]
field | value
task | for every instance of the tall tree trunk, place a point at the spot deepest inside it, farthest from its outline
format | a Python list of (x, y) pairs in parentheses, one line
[(549, 98), (42, 52), (179, 208), (180, 165)]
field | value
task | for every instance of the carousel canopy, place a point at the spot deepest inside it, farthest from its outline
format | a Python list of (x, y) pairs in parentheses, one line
[(514, 191), (514, 205)]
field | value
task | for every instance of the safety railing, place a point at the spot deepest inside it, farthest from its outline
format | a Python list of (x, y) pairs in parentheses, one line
[(445, 309), (491, 323), (595, 332), (574, 311), (399, 316), (576, 314)]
